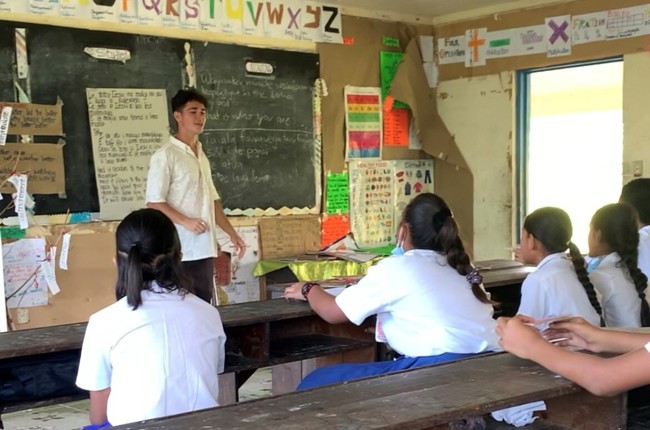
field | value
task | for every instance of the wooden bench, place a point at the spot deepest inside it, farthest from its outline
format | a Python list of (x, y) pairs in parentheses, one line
[(259, 334), (425, 398)]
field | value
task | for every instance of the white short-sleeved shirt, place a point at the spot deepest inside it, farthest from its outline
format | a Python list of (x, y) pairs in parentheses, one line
[(160, 359), (553, 289), (644, 250), (647, 346), (618, 296), (423, 306), (182, 180)]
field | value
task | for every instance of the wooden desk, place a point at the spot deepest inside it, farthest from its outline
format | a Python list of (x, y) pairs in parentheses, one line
[(425, 398), (259, 334)]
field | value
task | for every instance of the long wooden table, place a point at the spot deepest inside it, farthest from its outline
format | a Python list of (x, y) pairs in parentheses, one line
[(424, 398), (259, 334)]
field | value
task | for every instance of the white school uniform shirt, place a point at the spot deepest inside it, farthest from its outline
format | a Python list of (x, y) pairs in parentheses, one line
[(423, 306), (553, 289), (620, 301), (184, 181), (160, 359), (644, 250)]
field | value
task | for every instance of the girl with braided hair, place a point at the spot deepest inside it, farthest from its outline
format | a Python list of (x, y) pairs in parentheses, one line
[(429, 300), (158, 349), (613, 242), (560, 285)]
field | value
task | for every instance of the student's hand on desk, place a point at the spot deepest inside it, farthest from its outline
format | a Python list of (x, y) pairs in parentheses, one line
[(294, 291), (517, 335), (196, 225), (240, 245)]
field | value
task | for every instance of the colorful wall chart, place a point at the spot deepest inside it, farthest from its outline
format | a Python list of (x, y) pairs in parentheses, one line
[(363, 121)]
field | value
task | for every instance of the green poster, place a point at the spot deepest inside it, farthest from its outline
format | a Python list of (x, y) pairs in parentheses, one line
[(389, 62), (337, 194)]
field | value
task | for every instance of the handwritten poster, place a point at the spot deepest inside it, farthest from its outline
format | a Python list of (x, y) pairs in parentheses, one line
[(388, 64), (234, 276), (337, 195), (42, 162), (25, 283), (371, 201), (411, 177), (590, 27), (476, 47), (35, 119), (396, 127), (628, 22), (451, 50), (363, 122), (333, 228), (127, 126)]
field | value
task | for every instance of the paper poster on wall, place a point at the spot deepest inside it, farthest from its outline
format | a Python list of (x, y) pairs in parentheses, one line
[(388, 64), (411, 177), (558, 36), (333, 228), (42, 162), (44, 7), (500, 44), (590, 27), (127, 126), (475, 47), (529, 40), (337, 194), (74, 9), (233, 275), (363, 122), (628, 22), (396, 127), (35, 119), (104, 10), (25, 284), (371, 202), (451, 50)]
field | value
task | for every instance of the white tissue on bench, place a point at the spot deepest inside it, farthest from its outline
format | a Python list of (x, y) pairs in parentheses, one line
[(519, 415)]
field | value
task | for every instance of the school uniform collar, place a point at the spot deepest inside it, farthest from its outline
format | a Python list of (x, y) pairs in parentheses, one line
[(550, 258), (184, 146), (609, 260), (645, 229)]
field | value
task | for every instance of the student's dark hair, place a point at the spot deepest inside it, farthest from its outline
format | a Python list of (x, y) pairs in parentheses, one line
[(553, 228), (637, 193), (185, 96), (432, 226), (618, 228), (148, 249)]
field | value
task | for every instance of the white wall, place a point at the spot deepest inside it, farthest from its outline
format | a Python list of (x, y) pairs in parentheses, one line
[(636, 113), (479, 112)]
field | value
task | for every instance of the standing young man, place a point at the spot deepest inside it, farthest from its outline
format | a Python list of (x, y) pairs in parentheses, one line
[(180, 185)]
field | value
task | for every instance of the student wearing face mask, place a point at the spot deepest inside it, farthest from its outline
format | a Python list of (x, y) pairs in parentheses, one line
[(429, 300)]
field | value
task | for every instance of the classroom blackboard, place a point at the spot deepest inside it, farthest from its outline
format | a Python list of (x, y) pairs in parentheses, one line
[(259, 132), (259, 135)]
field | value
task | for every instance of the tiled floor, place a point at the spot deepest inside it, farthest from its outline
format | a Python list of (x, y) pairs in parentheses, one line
[(73, 416)]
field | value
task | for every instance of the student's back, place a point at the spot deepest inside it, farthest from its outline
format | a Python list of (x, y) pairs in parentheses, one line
[(157, 350), (421, 295), (164, 357), (560, 285), (553, 289), (637, 194), (613, 241)]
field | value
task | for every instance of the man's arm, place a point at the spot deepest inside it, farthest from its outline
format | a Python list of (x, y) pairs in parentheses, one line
[(222, 221)]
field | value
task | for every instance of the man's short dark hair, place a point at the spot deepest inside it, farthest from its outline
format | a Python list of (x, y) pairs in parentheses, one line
[(185, 96), (637, 193)]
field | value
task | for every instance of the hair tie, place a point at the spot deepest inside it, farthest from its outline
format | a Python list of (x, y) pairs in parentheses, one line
[(135, 245), (474, 277), (440, 217)]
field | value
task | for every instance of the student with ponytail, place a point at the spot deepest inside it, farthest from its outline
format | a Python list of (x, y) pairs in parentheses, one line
[(430, 303), (560, 285), (613, 242), (157, 350)]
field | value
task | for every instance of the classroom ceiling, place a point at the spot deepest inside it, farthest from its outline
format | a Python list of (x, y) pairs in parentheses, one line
[(429, 9)]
